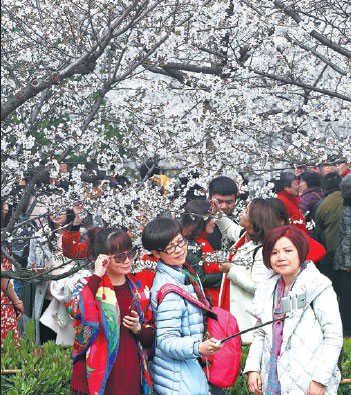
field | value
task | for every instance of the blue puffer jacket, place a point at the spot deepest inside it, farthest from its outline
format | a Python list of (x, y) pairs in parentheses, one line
[(179, 329)]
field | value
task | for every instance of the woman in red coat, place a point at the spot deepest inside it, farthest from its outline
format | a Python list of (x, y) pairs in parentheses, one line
[(197, 223)]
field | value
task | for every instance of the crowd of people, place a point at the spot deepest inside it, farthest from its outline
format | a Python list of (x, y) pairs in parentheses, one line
[(286, 259)]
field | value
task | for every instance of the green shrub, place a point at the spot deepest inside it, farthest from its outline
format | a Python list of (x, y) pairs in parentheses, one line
[(45, 369), (51, 372)]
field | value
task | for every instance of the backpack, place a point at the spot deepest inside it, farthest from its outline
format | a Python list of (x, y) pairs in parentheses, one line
[(222, 367), (22, 233)]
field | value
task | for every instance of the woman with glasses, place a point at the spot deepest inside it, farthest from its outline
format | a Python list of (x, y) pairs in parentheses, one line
[(197, 223), (179, 324), (113, 321)]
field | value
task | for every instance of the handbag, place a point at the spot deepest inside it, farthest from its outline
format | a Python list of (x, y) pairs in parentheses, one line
[(222, 368)]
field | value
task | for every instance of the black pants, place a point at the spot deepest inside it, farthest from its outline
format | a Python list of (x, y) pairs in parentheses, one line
[(326, 267), (345, 300)]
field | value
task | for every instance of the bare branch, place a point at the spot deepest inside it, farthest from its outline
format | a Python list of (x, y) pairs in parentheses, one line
[(318, 36)]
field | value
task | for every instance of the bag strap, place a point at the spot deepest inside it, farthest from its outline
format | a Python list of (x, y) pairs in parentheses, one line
[(243, 230), (255, 252), (315, 193), (167, 288)]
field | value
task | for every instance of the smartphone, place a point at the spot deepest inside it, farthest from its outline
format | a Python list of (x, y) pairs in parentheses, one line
[(132, 305)]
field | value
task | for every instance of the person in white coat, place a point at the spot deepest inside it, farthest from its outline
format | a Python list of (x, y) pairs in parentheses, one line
[(298, 354), (245, 270)]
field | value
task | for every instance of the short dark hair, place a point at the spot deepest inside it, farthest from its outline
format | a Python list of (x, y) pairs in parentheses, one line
[(311, 178), (224, 186), (146, 166), (331, 181), (107, 241), (262, 218), (159, 232), (294, 234), (285, 180), (280, 210), (194, 225)]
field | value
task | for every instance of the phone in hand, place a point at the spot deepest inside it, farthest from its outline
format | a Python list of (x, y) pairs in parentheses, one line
[(132, 305)]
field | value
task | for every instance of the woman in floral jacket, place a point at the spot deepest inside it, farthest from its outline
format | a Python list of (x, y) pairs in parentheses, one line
[(113, 321)]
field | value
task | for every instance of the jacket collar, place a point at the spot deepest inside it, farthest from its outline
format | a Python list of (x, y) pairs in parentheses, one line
[(289, 196), (171, 271), (317, 190), (249, 246), (331, 191)]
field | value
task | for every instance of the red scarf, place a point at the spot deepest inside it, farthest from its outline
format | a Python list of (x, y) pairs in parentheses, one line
[(225, 297), (209, 267)]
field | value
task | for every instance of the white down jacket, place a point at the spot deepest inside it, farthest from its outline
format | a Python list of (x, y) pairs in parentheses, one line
[(247, 272), (312, 335)]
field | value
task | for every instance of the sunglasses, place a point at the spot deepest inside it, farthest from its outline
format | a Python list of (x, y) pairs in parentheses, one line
[(123, 256)]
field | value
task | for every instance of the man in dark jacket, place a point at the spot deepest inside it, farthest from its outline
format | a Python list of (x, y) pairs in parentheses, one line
[(225, 191), (327, 219)]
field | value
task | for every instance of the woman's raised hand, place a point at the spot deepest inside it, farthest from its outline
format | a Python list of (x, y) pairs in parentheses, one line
[(215, 208), (101, 265), (255, 383), (209, 347), (132, 322)]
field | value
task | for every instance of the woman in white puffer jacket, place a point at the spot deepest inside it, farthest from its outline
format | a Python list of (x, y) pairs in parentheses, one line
[(298, 355)]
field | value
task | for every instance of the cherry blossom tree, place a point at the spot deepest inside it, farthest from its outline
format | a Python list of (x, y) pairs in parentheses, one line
[(209, 87)]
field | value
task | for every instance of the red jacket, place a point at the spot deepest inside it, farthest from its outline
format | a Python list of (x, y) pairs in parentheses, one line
[(291, 204), (316, 250), (209, 267), (71, 248), (146, 276)]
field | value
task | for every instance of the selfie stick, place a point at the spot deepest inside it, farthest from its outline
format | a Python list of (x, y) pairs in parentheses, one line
[(250, 329)]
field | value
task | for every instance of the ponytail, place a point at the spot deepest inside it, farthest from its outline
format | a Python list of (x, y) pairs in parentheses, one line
[(91, 236)]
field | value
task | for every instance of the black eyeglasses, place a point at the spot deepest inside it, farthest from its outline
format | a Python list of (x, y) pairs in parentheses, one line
[(122, 256), (172, 248)]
